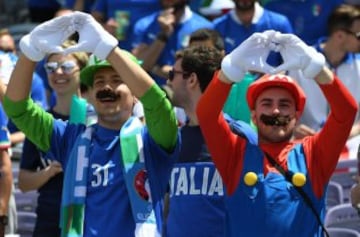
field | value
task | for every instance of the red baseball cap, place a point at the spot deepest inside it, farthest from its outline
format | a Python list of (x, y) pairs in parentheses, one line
[(278, 80)]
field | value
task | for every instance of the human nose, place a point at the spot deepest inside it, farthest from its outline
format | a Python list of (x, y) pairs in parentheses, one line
[(276, 110), (107, 86)]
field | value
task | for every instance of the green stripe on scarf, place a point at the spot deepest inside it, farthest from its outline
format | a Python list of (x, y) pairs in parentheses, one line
[(74, 216), (132, 151), (78, 110), (132, 155)]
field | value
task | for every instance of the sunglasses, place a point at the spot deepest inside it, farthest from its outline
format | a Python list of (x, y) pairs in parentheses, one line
[(355, 34), (7, 50), (66, 66), (173, 72)]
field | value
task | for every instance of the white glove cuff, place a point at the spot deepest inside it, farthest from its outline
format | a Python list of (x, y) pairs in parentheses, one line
[(29, 50), (232, 72), (316, 64), (104, 47)]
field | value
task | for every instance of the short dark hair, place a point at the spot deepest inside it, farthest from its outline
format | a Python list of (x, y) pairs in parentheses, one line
[(342, 17), (204, 34), (202, 60)]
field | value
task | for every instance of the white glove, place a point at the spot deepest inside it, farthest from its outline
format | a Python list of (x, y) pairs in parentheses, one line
[(46, 38), (250, 55), (93, 38), (298, 56)]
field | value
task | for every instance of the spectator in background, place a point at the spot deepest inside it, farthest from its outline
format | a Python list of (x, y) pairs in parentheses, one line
[(215, 8), (7, 221), (235, 105), (355, 3), (308, 18), (80, 5), (7, 42), (355, 193), (247, 18), (7, 56), (119, 17), (207, 37), (37, 172), (192, 72), (340, 49), (158, 36), (41, 11)]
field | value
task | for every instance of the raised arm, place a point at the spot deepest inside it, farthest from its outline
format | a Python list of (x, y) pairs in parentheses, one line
[(323, 149), (93, 38), (29, 118), (19, 86), (159, 115), (226, 148), (333, 136)]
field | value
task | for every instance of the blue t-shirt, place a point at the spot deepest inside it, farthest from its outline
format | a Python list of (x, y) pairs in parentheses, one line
[(235, 33), (196, 191), (88, 5), (308, 18), (4, 133), (49, 200), (147, 28), (126, 13), (107, 206), (50, 4)]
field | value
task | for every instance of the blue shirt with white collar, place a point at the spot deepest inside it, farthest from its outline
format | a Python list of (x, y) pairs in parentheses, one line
[(235, 32)]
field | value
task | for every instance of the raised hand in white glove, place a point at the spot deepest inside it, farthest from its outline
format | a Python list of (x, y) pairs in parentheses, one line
[(46, 38), (298, 56), (250, 55), (93, 38)]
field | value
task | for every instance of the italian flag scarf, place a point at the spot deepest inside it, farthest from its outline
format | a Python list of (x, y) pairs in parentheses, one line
[(74, 187)]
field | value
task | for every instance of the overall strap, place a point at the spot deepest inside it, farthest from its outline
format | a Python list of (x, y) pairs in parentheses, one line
[(288, 177)]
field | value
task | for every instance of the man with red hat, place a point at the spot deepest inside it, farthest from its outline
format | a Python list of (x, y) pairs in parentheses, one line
[(275, 185)]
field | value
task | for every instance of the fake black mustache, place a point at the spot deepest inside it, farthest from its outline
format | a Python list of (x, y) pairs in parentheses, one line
[(107, 94), (275, 120)]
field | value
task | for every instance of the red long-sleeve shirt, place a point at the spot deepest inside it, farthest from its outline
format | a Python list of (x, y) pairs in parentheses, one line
[(321, 150)]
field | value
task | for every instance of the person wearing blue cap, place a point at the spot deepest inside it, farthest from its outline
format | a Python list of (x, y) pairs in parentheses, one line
[(116, 170)]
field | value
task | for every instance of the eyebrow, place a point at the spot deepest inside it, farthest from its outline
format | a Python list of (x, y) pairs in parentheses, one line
[(283, 100)]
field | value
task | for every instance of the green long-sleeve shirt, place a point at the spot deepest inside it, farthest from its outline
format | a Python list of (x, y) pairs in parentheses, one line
[(37, 124)]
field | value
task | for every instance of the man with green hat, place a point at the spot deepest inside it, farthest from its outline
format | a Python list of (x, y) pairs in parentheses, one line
[(115, 171)]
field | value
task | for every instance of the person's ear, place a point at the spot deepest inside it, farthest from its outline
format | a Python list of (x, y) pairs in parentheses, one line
[(135, 100), (297, 115), (193, 79)]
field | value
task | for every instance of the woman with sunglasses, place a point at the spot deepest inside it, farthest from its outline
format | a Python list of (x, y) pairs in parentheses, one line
[(37, 172)]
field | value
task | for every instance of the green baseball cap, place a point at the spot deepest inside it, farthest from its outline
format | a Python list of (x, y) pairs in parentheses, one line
[(94, 64)]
